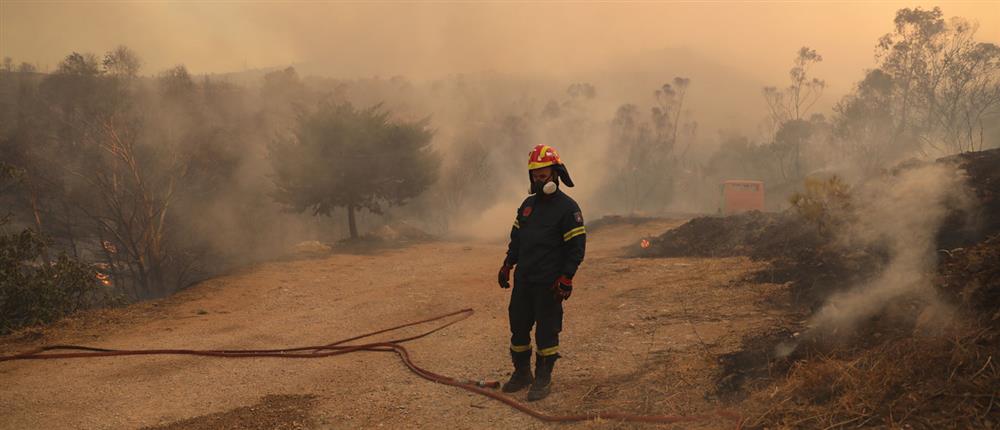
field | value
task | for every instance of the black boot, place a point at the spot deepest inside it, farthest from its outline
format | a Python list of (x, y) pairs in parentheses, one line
[(521, 377), (543, 377)]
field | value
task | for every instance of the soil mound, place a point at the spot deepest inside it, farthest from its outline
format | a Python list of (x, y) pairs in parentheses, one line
[(712, 236), (799, 252)]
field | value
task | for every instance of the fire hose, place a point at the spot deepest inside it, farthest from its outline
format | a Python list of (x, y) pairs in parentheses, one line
[(484, 388)]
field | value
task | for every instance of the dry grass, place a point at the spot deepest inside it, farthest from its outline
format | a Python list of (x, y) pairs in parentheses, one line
[(904, 377), (945, 381)]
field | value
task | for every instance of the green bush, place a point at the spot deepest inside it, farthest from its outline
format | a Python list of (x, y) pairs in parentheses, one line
[(823, 202), (33, 292)]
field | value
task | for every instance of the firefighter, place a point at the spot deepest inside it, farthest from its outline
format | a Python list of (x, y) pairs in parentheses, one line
[(547, 244)]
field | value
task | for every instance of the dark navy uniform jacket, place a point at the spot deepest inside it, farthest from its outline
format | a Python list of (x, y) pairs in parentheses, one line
[(548, 238)]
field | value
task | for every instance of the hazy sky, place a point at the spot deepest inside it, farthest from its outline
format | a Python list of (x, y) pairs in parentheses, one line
[(423, 40)]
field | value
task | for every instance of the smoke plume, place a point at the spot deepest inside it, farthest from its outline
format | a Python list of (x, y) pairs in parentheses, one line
[(902, 214)]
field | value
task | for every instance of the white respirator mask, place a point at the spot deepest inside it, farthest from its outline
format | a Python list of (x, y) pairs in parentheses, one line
[(549, 187)]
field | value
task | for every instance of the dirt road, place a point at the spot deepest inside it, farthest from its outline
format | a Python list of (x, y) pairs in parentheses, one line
[(641, 336)]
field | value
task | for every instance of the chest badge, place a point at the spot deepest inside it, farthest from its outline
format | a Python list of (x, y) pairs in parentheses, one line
[(526, 211)]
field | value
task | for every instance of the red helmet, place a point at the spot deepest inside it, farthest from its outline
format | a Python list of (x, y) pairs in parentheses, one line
[(545, 156)]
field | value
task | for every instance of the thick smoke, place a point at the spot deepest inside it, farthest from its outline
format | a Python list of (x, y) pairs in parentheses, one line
[(903, 214), (486, 79)]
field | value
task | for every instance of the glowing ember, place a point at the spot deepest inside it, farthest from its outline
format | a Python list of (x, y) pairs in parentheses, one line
[(104, 279), (644, 244)]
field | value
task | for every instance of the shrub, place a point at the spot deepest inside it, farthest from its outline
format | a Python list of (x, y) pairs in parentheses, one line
[(33, 292), (824, 202)]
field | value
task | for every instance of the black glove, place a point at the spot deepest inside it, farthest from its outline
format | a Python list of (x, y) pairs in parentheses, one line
[(562, 288), (504, 276)]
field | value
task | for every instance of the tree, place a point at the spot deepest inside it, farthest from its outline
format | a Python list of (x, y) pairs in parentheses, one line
[(283, 85), (795, 101), (468, 176), (27, 67), (935, 88), (133, 174), (787, 110), (738, 157), (53, 117), (176, 83), (582, 90), (645, 153), (788, 143), (122, 62), (8, 66), (667, 116), (284, 94), (639, 161), (78, 64), (356, 159), (946, 85), (863, 124), (137, 187), (96, 166)]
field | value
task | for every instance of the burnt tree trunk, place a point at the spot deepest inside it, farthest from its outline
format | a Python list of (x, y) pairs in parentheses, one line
[(351, 222), (33, 199)]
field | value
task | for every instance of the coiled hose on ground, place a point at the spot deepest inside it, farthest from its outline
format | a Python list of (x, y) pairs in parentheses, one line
[(337, 348)]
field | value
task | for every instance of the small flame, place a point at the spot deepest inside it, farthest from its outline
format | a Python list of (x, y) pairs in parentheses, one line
[(104, 279), (644, 244)]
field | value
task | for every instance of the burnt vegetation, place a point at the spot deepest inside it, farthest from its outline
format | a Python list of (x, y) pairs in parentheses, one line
[(899, 364), (897, 319)]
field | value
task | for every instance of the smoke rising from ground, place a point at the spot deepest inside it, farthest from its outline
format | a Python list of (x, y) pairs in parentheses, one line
[(903, 213)]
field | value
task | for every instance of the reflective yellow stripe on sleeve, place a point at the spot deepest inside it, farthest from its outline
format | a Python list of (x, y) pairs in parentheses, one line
[(517, 224), (520, 348), (574, 233)]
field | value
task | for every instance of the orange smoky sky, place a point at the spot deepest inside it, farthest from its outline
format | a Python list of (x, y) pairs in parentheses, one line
[(426, 40)]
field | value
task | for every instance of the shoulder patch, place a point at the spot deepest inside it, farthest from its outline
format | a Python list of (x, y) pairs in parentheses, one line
[(526, 211), (578, 217)]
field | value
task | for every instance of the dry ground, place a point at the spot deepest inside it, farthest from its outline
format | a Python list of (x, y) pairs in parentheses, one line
[(641, 336)]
